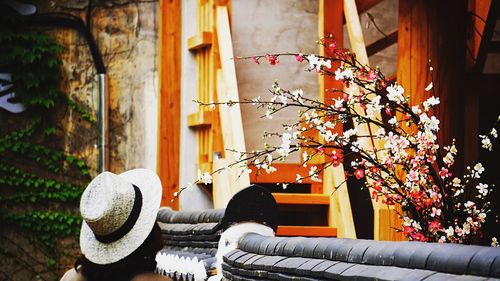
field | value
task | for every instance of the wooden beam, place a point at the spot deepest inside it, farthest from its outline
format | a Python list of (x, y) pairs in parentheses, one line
[(301, 199), (339, 214), (307, 231), (200, 40), (287, 172), (227, 89), (482, 53), (169, 53), (379, 45), (200, 118), (425, 35)]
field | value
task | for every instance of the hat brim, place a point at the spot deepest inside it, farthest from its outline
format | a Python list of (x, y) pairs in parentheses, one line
[(105, 253)]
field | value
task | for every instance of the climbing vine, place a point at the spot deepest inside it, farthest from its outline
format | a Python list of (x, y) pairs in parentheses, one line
[(40, 183)]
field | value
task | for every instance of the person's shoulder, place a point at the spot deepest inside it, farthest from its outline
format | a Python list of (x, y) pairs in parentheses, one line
[(151, 277)]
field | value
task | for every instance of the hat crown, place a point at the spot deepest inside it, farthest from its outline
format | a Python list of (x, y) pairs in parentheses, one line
[(106, 203)]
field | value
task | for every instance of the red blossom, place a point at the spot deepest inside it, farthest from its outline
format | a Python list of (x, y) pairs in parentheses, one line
[(408, 230), (256, 60), (273, 60), (359, 174), (443, 173), (388, 111), (299, 57), (419, 237), (434, 226)]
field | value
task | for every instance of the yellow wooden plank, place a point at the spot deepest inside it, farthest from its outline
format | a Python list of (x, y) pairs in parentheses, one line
[(309, 231), (339, 213), (227, 90), (200, 40), (301, 199), (239, 178), (221, 191), (200, 118)]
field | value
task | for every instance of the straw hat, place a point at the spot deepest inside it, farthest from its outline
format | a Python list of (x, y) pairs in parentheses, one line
[(119, 212)]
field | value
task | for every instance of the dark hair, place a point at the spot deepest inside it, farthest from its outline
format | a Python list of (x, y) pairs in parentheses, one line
[(142, 260)]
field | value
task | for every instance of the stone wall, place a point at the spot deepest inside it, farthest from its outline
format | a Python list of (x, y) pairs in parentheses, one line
[(126, 34)]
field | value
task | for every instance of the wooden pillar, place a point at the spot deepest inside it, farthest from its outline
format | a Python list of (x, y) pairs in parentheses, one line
[(331, 18), (169, 62), (434, 31)]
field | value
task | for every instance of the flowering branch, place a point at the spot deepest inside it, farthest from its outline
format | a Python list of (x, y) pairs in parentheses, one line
[(409, 169)]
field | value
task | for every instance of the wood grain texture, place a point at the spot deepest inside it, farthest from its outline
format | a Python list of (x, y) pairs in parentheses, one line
[(339, 214), (307, 231), (201, 40), (427, 38), (170, 31), (227, 90), (301, 199)]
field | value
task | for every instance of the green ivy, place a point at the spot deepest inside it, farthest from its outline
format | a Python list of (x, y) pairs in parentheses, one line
[(48, 227), (40, 190)]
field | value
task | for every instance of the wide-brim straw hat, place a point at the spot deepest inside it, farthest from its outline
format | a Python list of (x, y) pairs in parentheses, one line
[(119, 212)]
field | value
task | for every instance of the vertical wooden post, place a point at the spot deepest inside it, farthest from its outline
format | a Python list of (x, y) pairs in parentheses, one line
[(169, 58), (339, 213), (433, 31)]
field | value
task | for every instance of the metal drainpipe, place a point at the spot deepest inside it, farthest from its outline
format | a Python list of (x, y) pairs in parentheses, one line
[(103, 123)]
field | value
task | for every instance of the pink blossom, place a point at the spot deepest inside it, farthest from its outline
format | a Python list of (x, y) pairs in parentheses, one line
[(299, 57)]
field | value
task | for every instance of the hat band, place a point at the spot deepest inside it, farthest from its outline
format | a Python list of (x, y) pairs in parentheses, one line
[(128, 224)]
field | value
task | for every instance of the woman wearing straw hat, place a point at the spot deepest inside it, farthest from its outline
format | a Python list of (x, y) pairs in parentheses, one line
[(119, 238)]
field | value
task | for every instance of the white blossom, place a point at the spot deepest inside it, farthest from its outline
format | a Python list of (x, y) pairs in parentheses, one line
[(430, 102), (486, 142), (430, 124), (478, 170), (429, 87), (395, 93), (205, 177), (482, 189), (449, 231), (494, 133), (297, 93), (343, 74)]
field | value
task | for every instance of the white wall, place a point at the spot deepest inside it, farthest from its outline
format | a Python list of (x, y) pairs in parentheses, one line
[(272, 26)]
